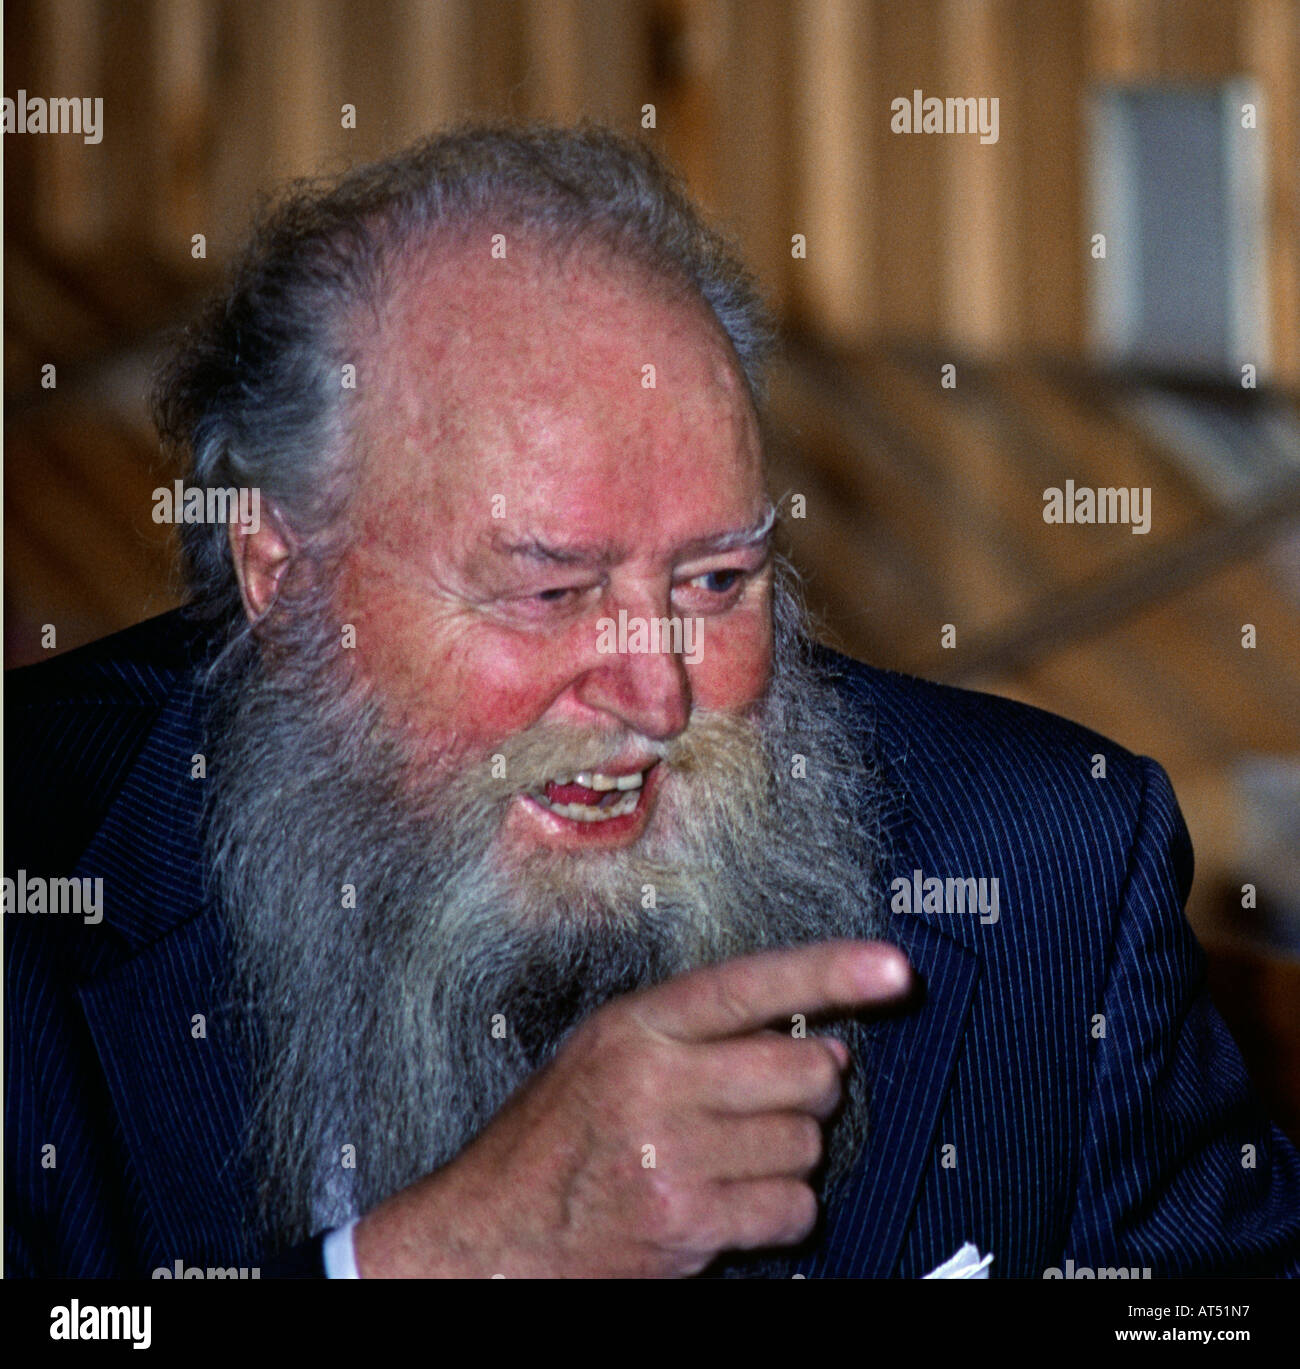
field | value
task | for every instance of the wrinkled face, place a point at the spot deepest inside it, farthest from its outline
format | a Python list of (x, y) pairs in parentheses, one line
[(534, 502)]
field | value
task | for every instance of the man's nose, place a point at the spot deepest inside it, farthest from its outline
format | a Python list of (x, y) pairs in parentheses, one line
[(647, 691)]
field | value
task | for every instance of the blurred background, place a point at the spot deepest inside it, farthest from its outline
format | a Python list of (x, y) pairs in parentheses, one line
[(1114, 281)]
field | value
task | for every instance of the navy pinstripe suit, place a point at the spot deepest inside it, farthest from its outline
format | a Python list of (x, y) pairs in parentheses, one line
[(1001, 1115)]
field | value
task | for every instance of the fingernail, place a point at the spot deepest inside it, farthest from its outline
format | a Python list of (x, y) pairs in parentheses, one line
[(898, 970)]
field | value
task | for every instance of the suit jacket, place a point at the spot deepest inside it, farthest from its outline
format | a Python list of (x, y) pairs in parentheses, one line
[(1063, 1091)]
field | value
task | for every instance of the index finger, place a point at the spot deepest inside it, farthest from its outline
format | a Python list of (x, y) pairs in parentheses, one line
[(745, 994)]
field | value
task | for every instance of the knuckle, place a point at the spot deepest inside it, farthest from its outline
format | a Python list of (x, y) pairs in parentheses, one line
[(606, 1027), (672, 1216), (808, 1142), (800, 1216), (645, 1075), (611, 1043), (823, 1073), (773, 1054), (729, 997)]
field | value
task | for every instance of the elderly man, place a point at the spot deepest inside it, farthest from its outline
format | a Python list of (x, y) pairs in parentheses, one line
[(495, 878)]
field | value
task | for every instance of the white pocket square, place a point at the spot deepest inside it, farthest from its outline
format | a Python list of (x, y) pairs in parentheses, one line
[(967, 1263)]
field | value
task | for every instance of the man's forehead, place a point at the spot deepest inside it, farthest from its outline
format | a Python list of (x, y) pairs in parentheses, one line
[(463, 325), (560, 411)]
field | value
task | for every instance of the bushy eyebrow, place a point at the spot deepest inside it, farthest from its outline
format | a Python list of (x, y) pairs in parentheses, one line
[(733, 541), (599, 556)]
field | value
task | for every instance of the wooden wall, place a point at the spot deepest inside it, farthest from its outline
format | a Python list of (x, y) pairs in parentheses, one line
[(778, 112)]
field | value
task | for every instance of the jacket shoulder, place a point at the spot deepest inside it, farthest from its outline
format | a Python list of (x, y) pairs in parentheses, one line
[(74, 724), (138, 666), (968, 773), (918, 721)]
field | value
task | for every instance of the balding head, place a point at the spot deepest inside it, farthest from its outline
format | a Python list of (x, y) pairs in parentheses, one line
[(254, 395)]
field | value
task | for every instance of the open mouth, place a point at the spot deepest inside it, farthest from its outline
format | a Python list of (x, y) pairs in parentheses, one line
[(593, 796)]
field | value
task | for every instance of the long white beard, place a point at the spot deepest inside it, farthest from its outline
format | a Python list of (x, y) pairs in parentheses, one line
[(400, 981)]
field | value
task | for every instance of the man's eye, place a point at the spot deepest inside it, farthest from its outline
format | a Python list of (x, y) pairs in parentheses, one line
[(718, 581), (560, 597)]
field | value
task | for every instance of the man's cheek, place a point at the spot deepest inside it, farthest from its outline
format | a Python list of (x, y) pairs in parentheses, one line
[(735, 662), (481, 693)]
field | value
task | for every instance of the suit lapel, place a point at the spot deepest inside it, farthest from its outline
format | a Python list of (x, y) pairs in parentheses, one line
[(911, 1056), (159, 1021), (179, 1096), (147, 847), (912, 1059)]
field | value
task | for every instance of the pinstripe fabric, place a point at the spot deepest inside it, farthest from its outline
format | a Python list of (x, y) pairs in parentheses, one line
[(1063, 1091)]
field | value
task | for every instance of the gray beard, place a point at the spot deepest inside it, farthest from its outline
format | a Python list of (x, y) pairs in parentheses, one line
[(399, 980)]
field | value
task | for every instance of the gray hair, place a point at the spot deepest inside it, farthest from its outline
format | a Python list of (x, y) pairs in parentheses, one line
[(251, 396)]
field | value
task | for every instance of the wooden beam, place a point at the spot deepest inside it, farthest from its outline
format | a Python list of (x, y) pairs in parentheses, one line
[(1096, 608)]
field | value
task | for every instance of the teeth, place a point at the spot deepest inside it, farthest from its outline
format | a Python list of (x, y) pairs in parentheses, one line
[(581, 812), (625, 803), (593, 779), (590, 779)]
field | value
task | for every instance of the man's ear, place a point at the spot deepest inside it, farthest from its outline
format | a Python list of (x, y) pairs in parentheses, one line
[(261, 559)]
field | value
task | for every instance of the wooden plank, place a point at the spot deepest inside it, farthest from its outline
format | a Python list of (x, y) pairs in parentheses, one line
[(51, 310), (1123, 42), (1197, 39), (981, 242), (1101, 685), (431, 79), (614, 67), (40, 588), (752, 118), (134, 154), (687, 42), (846, 471), (908, 218), (25, 69), (553, 75), (984, 505), (184, 40), (361, 44), (240, 131), (943, 537), (834, 183), (1089, 440), (1164, 571), (305, 97), (72, 204), (1271, 44), (498, 58), (104, 556), (1250, 696), (1047, 311)]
